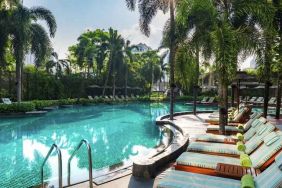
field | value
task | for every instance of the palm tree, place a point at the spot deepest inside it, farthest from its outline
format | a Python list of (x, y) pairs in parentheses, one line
[(86, 50), (128, 53), (28, 34), (163, 67), (227, 28), (148, 9), (115, 51)]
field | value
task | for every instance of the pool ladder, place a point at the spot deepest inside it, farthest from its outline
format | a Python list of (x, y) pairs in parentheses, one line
[(60, 176)]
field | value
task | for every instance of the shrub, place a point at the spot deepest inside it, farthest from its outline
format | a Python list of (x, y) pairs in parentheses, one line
[(40, 104), (17, 107), (67, 101)]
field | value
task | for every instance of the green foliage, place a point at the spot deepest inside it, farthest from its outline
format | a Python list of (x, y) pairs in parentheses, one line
[(40, 104), (17, 107), (67, 101)]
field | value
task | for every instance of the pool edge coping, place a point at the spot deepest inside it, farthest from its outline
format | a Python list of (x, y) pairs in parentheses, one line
[(148, 168)]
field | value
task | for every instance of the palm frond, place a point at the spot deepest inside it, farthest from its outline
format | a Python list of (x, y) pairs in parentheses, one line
[(40, 44), (45, 15)]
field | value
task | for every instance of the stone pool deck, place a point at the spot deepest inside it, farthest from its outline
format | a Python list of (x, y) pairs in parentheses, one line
[(192, 124)]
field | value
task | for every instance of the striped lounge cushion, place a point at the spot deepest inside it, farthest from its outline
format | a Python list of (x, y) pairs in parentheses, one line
[(227, 128), (264, 152), (270, 178), (214, 138), (180, 179), (213, 147), (204, 161), (257, 139)]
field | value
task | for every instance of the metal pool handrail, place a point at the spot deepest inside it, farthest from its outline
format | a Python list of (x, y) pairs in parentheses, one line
[(54, 146), (89, 161)]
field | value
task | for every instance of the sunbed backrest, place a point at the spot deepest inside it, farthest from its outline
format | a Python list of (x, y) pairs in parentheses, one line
[(265, 151), (252, 131), (205, 99), (253, 99), (272, 176), (211, 100), (257, 139), (6, 101)]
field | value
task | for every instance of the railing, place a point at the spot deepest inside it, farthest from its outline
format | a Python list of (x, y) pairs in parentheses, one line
[(89, 161), (54, 146)]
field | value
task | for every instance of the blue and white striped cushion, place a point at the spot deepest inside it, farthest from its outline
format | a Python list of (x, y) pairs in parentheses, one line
[(270, 178), (204, 161), (213, 147), (227, 128), (264, 152), (180, 179), (214, 138), (252, 131), (257, 139)]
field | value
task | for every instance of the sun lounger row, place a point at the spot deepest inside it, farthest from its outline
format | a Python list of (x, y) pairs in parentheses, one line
[(113, 98), (235, 115), (260, 100), (256, 150)]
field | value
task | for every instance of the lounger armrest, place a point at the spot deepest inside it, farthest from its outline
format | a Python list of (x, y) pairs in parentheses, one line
[(235, 171)]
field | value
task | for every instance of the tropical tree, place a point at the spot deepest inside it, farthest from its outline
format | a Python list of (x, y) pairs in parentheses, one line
[(27, 35), (115, 56), (151, 67), (148, 9), (128, 61), (86, 50), (277, 50), (227, 28)]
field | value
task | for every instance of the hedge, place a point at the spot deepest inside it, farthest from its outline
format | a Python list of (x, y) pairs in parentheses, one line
[(17, 107)]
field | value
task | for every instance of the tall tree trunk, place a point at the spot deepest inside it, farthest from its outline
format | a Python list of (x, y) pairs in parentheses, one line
[(152, 79), (1, 79), (114, 85), (108, 75), (195, 88), (19, 63), (278, 100), (223, 100), (172, 49), (126, 79), (267, 76)]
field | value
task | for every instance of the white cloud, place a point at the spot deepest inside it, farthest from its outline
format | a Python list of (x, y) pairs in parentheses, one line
[(135, 36)]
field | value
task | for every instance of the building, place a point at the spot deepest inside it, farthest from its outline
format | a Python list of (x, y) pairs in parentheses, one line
[(141, 48)]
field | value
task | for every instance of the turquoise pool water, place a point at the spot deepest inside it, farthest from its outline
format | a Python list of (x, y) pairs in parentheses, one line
[(116, 133)]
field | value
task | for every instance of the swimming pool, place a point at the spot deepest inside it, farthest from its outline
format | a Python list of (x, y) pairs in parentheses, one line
[(116, 133)]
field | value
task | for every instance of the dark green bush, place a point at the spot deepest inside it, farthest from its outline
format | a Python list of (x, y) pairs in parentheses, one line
[(17, 107), (40, 104), (67, 101)]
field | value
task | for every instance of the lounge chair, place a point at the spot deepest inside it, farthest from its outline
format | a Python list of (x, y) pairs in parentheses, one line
[(232, 110), (90, 97), (210, 101), (260, 100), (6, 101), (97, 98), (272, 101), (205, 99), (231, 130), (250, 131), (253, 99), (207, 164), (219, 148), (117, 98), (239, 117), (245, 99), (270, 178)]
